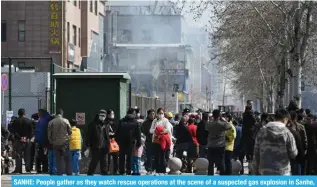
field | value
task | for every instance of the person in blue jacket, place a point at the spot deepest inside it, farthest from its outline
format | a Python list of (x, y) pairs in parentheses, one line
[(45, 161)]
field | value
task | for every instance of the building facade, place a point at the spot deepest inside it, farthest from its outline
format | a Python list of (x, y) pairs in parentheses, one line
[(59, 29), (145, 39)]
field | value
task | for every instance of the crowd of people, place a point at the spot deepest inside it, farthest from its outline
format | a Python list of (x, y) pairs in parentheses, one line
[(281, 144)]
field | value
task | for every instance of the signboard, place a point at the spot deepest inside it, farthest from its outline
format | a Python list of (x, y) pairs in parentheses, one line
[(4, 82), (80, 118), (55, 25), (9, 115)]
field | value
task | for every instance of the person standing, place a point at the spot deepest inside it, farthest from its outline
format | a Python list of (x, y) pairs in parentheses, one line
[(248, 126), (160, 121), (22, 131), (59, 131), (98, 143), (216, 142), (128, 134), (110, 122), (75, 143), (40, 136), (274, 147), (192, 147), (230, 138), (202, 135), (145, 129)]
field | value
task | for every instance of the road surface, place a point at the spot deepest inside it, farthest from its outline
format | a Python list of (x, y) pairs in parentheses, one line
[(6, 179)]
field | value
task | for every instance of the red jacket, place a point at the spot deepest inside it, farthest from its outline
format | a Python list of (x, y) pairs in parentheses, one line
[(193, 129), (163, 138)]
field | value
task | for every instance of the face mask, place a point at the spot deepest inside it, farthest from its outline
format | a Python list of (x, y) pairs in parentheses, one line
[(102, 118), (160, 116), (111, 116)]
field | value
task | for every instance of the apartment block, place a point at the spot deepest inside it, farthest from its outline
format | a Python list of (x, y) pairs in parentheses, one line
[(60, 29)]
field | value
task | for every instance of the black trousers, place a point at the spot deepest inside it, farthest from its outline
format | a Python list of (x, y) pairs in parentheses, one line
[(98, 155), (228, 164), (216, 156), (125, 159), (115, 158), (159, 159), (41, 160)]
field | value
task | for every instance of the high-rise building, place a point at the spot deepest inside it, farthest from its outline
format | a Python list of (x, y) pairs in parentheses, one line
[(68, 31)]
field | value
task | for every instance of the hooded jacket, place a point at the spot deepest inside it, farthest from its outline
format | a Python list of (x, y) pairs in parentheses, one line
[(274, 147), (231, 135), (41, 129), (128, 132), (94, 136)]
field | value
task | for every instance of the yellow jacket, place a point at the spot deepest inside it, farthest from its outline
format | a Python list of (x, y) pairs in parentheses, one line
[(75, 139), (231, 135)]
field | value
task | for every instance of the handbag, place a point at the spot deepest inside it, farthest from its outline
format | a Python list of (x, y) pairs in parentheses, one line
[(114, 147)]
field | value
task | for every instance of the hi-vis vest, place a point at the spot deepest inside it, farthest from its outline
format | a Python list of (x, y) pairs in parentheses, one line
[(75, 139)]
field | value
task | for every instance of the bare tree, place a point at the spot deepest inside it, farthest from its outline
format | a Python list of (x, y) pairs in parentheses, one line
[(268, 45)]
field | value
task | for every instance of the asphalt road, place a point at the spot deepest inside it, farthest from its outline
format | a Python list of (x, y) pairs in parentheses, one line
[(6, 179)]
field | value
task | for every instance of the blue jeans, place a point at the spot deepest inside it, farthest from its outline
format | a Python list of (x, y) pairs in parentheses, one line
[(51, 162), (136, 165), (75, 161)]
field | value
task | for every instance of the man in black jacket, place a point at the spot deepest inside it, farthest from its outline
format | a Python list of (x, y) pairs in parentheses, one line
[(128, 135), (22, 131), (202, 135), (145, 129), (248, 126), (98, 142)]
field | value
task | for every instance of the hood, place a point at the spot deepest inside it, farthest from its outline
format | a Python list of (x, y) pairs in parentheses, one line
[(276, 128), (129, 117), (159, 130)]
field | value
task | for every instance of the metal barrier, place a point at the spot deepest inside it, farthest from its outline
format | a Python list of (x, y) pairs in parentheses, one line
[(28, 84), (145, 103)]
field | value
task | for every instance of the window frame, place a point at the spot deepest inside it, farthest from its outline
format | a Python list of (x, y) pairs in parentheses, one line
[(91, 6), (20, 31), (96, 7), (3, 30), (68, 32), (79, 36), (74, 35)]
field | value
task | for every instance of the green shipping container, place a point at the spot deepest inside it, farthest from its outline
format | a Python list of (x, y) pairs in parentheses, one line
[(82, 95)]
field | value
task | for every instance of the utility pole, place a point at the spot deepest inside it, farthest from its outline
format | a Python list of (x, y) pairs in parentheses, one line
[(165, 82)]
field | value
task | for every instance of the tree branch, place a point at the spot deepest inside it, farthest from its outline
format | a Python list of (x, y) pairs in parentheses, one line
[(276, 5)]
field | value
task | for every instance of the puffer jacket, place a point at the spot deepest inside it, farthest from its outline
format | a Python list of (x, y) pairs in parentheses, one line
[(59, 131), (274, 147)]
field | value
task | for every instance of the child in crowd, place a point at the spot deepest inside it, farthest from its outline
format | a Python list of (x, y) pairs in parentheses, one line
[(137, 153), (75, 145)]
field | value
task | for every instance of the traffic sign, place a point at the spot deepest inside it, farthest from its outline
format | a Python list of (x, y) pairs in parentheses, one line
[(4, 82), (80, 118)]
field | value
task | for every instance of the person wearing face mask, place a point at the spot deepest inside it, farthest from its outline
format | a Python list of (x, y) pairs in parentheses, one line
[(98, 139), (274, 147), (111, 124), (160, 121)]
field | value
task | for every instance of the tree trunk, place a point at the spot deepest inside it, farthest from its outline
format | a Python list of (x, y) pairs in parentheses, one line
[(297, 52)]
